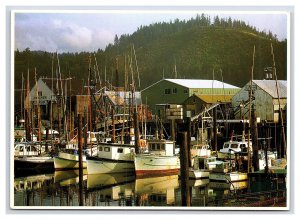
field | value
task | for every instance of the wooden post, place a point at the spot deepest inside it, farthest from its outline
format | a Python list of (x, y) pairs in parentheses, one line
[(189, 141), (215, 129), (136, 132), (113, 136), (254, 141), (173, 129), (79, 123), (184, 167), (27, 125), (46, 141), (85, 129)]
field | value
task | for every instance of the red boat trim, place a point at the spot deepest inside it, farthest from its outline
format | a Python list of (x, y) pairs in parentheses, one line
[(155, 172)]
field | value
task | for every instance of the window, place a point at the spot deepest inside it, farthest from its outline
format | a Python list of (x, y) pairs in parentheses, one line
[(40, 93), (185, 91), (167, 91), (234, 145), (120, 150), (243, 146), (100, 148), (106, 149), (174, 90)]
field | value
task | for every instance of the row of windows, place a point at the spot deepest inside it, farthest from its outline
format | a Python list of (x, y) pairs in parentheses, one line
[(107, 149), (156, 146), (174, 91)]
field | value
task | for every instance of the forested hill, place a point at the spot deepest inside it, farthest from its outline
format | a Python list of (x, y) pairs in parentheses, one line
[(197, 48)]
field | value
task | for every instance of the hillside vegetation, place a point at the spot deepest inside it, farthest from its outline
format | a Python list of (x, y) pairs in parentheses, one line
[(197, 48)]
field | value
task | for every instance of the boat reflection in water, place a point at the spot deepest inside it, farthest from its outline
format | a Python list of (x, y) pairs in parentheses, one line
[(66, 189), (68, 177), (156, 191), (31, 183), (110, 189)]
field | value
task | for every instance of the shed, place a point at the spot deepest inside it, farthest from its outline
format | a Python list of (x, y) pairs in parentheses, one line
[(266, 99)]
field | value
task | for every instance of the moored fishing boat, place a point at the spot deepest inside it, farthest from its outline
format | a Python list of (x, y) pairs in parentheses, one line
[(200, 167), (230, 148), (112, 158), (27, 156), (160, 159)]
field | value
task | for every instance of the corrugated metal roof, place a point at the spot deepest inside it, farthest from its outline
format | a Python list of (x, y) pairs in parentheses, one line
[(201, 83), (270, 87), (215, 98)]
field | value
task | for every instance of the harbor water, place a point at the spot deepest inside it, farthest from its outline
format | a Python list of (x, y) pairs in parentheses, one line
[(64, 189)]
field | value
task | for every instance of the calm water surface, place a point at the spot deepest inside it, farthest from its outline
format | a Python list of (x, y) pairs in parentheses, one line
[(64, 189)]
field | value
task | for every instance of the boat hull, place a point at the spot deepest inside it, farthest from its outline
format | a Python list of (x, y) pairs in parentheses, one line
[(198, 174), (33, 163), (232, 176), (63, 163), (156, 165), (100, 165)]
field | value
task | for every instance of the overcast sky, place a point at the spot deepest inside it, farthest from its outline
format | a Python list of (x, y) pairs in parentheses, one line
[(75, 32)]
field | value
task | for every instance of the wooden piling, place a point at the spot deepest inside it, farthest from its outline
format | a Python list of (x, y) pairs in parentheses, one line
[(184, 167), (215, 129), (136, 132), (254, 141), (79, 124), (46, 141), (189, 142)]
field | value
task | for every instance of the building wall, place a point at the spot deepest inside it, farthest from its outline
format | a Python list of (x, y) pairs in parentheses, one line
[(263, 103), (194, 104), (177, 94), (164, 92)]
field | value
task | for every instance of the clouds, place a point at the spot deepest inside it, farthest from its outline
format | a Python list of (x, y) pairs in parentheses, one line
[(55, 33)]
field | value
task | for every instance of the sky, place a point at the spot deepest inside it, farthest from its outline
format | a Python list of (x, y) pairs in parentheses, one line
[(75, 32)]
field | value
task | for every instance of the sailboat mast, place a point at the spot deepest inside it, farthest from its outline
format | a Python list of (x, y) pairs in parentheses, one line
[(278, 98), (22, 113), (27, 110), (250, 110), (38, 108)]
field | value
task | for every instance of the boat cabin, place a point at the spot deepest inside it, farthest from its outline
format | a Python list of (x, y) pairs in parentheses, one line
[(235, 147), (116, 151), (203, 162), (24, 149), (161, 147)]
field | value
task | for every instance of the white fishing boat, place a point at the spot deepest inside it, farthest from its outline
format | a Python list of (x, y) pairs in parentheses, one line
[(68, 159), (200, 167), (160, 159), (28, 156), (230, 148), (112, 158)]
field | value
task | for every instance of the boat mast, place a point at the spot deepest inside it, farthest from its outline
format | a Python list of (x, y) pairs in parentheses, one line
[(250, 110), (278, 98), (51, 102), (28, 110), (38, 108)]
